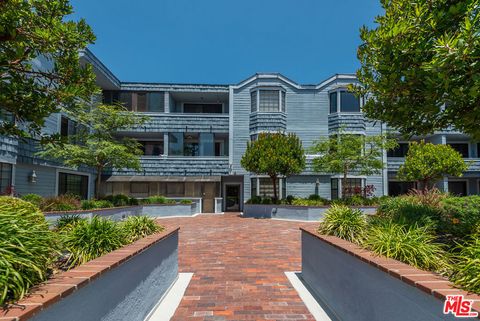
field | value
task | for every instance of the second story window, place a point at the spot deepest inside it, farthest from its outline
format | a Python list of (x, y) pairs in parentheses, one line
[(400, 151), (343, 101), (268, 100), (462, 148), (68, 127), (136, 101)]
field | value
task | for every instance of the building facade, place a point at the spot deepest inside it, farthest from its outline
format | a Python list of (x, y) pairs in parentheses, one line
[(196, 135)]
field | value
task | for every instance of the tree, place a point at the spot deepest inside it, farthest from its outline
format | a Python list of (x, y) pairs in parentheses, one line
[(34, 31), (96, 145), (275, 155), (346, 153), (427, 163), (421, 63)]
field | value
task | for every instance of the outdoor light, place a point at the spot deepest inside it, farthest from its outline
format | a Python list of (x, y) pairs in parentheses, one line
[(32, 178)]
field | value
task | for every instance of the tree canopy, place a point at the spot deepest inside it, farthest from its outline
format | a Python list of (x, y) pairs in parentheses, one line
[(421, 63), (96, 145), (275, 155), (346, 153), (40, 71), (427, 163)]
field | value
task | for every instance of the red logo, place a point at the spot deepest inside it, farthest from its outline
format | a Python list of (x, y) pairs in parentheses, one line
[(459, 306)]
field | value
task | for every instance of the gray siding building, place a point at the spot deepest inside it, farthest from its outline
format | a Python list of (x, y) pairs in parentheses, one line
[(197, 133)]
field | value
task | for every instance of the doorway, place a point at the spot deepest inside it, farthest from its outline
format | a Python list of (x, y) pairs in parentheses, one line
[(232, 197)]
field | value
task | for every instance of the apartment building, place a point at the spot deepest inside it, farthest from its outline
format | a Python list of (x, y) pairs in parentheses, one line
[(197, 133)]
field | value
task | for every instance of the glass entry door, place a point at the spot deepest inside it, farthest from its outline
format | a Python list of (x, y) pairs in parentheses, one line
[(232, 198)]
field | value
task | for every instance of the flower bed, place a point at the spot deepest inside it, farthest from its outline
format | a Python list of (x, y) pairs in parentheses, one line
[(125, 284), (354, 284)]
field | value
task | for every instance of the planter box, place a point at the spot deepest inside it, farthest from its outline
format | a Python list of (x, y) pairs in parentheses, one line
[(293, 212), (123, 285), (354, 285), (162, 210)]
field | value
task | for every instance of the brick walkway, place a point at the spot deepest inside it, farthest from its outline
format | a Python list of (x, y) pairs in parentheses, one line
[(238, 267)]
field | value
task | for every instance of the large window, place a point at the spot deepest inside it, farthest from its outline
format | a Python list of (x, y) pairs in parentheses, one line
[(333, 102), (152, 148), (268, 100), (198, 144), (400, 151), (349, 102), (457, 188), (190, 108), (399, 188), (73, 184), (5, 177), (353, 186), (462, 148), (136, 101)]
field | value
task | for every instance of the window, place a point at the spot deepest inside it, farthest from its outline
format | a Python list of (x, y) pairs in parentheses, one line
[(202, 108), (266, 187), (253, 187), (399, 188), (334, 189), (191, 144), (462, 148), (152, 148), (400, 151), (284, 97), (73, 184), (333, 102), (156, 102), (198, 144), (175, 144), (5, 177), (141, 102), (68, 127), (111, 97), (126, 100), (269, 100), (457, 188), (253, 101), (353, 186), (136, 101), (349, 102)]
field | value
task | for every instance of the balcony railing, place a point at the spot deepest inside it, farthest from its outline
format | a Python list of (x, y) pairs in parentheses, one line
[(176, 122)]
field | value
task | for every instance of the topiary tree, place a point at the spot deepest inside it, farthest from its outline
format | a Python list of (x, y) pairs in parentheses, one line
[(427, 163), (34, 31), (345, 153), (274, 154), (421, 63)]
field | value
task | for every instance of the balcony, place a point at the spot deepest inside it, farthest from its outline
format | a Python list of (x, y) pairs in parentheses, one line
[(179, 166), (176, 122)]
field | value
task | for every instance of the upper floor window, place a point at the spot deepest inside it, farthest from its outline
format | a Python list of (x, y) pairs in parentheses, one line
[(400, 151), (136, 101), (268, 100), (68, 127), (349, 103), (152, 148), (462, 148), (5, 177), (191, 108)]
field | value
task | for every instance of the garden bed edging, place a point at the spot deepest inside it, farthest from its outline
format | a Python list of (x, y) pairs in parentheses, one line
[(125, 284), (356, 285), (293, 212)]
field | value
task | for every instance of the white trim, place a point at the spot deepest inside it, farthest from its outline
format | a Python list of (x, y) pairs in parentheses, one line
[(310, 302)]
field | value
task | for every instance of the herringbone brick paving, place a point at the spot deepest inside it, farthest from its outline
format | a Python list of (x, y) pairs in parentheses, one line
[(238, 265)]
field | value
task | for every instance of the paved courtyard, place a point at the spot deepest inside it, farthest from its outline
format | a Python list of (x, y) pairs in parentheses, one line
[(238, 265)]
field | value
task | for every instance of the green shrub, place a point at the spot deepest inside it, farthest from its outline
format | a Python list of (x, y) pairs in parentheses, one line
[(133, 201), (314, 197), (27, 248), (136, 227), (408, 210), (33, 198), (343, 222), (289, 199), (65, 202), (307, 202), (466, 267), (356, 200), (414, 245), (158, 199), (118, 200), (255, 200), (186, 202), (460, 215), (68, 221), (88, 240), (96, 204)]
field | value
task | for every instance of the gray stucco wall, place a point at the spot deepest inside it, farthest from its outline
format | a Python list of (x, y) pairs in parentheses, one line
[(352, 290), (303, 213), (128, 292)]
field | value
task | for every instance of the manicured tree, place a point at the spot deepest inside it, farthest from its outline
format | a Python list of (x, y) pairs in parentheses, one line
[(33, 31), (421, 63), (97, 146), (346, 153), (427, 163), (274, 154)]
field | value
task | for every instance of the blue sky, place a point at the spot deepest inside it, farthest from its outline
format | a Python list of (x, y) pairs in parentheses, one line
[(225, 41)]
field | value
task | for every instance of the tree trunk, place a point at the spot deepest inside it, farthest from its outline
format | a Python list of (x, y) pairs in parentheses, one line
[(99, 180), (274, 181)]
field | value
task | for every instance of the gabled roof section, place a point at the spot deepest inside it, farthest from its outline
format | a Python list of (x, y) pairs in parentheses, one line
[(103, 73), (348, 77)]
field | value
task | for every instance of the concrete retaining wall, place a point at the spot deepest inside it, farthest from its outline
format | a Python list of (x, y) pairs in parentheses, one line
[(350, 289), (304, 213), (126, 292)]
